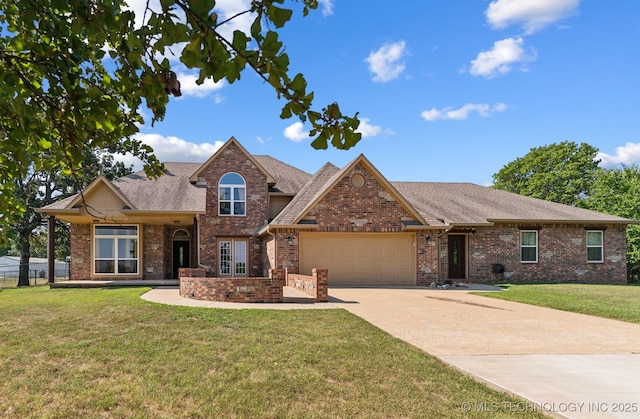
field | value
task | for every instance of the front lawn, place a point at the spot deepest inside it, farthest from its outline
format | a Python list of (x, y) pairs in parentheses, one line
[(108, 353), (620, 302)]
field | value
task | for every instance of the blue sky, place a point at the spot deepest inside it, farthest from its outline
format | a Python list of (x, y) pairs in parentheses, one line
[(446, 90)]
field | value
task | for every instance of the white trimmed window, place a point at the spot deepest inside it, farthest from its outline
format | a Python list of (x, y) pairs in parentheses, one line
[(529, 246), (232, 195), (595, 246), (115, 250)]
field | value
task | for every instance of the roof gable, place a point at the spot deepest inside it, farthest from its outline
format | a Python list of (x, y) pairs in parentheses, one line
[(220, 152), (101, 193), (326, 180)]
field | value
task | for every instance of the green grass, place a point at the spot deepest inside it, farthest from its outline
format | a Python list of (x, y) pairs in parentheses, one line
[(620, 302), (107, 353)]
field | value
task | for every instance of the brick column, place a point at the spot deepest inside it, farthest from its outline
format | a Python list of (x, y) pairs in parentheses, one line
[(321, 277)]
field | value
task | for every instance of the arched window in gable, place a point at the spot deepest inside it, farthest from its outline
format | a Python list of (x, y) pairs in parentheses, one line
[(232, 194)]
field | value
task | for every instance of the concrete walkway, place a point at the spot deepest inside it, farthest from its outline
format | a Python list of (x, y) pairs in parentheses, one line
[(565, 364)]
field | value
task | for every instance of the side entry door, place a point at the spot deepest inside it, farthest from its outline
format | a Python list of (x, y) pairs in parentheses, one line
[(457, 256)]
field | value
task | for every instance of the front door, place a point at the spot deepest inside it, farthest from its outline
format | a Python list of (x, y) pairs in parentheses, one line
[(233, 257), (181, 256), (457, 256)]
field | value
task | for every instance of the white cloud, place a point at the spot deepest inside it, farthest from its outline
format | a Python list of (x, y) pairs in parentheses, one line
[(172, 149), (481, 109), (139, 6), (627, 155), (368, 130), (327, 7), (295, 132), (189, 87), (533, 15), (227, 9), (500, 59), (385, 63)]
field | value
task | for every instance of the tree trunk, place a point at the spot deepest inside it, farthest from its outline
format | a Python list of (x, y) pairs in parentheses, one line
[(25, 255)]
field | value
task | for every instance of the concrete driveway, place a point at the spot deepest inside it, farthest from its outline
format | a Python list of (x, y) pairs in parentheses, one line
[(566, 364)]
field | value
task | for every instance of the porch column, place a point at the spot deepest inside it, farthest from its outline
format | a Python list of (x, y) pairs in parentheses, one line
[(51, 249)]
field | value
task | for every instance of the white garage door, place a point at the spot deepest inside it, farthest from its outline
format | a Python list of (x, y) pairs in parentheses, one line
[(371, 259)]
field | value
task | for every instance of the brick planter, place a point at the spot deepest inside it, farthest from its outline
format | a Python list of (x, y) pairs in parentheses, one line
[(315, 285), (235, 290)]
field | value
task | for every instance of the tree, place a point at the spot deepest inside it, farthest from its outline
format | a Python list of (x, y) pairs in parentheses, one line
[(561, 173), (616, 192), (75, 74), (36, 188)]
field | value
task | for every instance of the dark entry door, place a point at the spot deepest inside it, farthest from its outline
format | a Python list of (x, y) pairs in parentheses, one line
[(457, 257), (181, 256)]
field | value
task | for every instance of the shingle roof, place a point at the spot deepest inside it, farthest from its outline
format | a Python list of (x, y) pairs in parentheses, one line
[(467, 203), (289, 179), (309, 193), (438, 203), (173, 192)]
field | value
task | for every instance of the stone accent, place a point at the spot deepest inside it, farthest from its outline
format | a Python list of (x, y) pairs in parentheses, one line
[(315, 285)]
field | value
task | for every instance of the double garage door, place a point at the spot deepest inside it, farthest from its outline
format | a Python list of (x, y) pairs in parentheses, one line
[(364, 259)]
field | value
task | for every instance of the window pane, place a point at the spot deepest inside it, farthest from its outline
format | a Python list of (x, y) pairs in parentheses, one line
[(104, 266), (225, 258), (528, 238), (594, 254), (238, 194), (594, 238), (225, 194), (127, 248), (238, 208), (232, 179), (127, 266), (105, 248), (529, 254), (116, 231), (225, 208)]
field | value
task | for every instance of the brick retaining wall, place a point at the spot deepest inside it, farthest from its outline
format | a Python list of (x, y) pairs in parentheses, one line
[(315, 285), (235, 290)]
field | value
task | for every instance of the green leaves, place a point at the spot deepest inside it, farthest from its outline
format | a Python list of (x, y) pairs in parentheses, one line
[(278, 16), (76, 73), (561, 172)]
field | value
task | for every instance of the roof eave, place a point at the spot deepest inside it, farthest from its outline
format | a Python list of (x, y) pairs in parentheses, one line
[(50, 211), (563, 221)]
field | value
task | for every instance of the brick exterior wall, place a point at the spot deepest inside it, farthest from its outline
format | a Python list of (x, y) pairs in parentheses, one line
[(370, 208), (562, 255), (154, 247), (214, 227), (428, 270), (236, 290), (80, 237)]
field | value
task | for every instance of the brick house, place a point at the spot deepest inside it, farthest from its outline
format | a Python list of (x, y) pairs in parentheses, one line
[(239, 215)]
